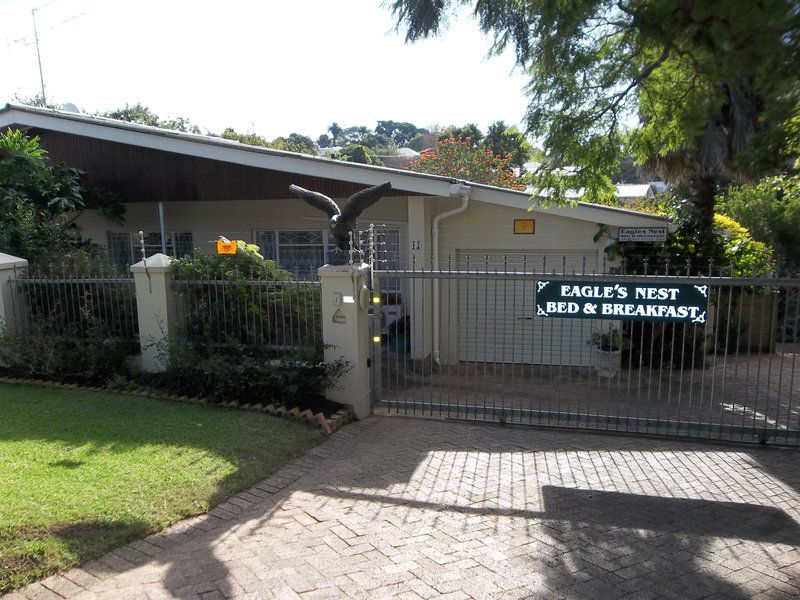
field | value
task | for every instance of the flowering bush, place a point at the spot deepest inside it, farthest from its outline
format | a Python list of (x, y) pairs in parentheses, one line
[(460, 160)]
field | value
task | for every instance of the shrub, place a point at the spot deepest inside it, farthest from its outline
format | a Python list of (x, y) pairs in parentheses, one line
[(770, 210), (248, 375), (242, 299), (731, 250), (68, 355)]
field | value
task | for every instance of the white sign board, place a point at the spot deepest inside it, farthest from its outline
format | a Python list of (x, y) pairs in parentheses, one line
[(642, 234)]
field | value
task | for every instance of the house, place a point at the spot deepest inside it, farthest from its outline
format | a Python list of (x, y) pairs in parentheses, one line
[(185, 190), (629, 193)]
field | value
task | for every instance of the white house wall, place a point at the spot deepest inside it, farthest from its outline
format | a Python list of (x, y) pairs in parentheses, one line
[(235, 219), (487, 229)]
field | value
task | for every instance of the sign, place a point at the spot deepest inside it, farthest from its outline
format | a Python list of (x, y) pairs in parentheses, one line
[(642, 234), (226, 247), (657, 301), (524, 226)]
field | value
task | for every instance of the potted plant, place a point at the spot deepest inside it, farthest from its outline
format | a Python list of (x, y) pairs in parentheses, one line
[(607, 351)]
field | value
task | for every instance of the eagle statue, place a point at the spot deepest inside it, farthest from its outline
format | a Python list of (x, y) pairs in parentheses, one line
[(342, 221)]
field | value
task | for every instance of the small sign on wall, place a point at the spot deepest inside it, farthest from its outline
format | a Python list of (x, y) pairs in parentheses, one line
[(524, 226), (225, 247), (642, 234)]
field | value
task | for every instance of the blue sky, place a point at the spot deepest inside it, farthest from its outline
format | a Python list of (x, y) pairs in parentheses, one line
[(269, 66)]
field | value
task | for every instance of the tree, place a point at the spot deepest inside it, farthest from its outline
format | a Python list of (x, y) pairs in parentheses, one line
[(144, 116), (460, 159), (357, 153), (401, 132), (295, 142), (469, 131), (36, 100), (503, 140), (695, 90), (39, 202), (324, 141), (335, 130), (251, 139), (355, 135), (422, 141)]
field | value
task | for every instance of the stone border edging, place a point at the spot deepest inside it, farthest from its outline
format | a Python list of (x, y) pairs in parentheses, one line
[(340, 418)]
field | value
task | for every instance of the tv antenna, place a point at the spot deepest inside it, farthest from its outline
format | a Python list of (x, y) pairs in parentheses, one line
[(25, 42)]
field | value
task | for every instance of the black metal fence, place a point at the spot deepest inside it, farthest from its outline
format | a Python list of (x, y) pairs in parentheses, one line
[(249, 309), (76, 300), (469, 343)]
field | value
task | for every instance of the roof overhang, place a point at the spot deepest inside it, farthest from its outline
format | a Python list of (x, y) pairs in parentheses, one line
[(219, 149), (585, 211)]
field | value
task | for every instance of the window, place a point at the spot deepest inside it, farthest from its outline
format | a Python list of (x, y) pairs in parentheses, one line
[(300, 252), (124, 247)]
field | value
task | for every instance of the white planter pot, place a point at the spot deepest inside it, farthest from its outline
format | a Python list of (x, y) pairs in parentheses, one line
[(606, 362)]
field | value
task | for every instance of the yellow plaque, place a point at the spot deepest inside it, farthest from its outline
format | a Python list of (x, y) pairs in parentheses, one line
[(226, 247), (524, 226)]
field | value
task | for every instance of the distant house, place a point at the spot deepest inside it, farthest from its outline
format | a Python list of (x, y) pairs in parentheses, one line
[(631, 192), (402, 160)]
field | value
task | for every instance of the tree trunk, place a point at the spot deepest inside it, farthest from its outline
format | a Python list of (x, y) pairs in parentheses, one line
[(702, 195)]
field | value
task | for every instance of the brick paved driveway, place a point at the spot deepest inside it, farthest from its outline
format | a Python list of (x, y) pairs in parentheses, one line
[(415, 508)]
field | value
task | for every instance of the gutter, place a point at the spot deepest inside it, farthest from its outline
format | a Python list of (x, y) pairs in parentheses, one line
[(459, 189)]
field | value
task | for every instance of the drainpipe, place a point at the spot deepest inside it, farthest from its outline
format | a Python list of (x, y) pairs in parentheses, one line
[(161, 227), (462, 190)]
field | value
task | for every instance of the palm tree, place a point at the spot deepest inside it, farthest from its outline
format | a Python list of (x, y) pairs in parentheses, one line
[(335, 130)]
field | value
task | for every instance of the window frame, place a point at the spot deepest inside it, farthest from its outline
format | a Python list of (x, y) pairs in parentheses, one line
[(134, 245)]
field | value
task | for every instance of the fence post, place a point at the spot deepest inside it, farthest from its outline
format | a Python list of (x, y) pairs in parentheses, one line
[(10, 266), (155, 305), (345, 332)]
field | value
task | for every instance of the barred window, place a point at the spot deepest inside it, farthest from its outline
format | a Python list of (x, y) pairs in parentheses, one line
[(124, 247), (300, 252)]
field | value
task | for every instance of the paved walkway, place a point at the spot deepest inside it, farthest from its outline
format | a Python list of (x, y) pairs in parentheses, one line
[(415, 508)]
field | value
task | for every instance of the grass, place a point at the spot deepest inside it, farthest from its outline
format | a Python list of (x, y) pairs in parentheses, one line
[(84, 472)]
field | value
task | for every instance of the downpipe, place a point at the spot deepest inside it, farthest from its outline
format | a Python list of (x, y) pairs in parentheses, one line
[(455, 190)]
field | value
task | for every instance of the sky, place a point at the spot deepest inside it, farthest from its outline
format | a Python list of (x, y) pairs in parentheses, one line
[(269, 66)]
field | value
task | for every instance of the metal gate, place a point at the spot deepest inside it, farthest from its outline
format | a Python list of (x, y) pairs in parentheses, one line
[(467, 343)]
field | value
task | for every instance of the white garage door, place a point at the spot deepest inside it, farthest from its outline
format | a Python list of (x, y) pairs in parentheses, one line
[(497, 320)]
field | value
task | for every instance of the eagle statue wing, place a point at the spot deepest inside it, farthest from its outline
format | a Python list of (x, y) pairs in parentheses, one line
[(317, 200), (360, 200)]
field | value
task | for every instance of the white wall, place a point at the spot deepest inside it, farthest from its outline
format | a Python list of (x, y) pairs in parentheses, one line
[(489, 229), (235, 219)]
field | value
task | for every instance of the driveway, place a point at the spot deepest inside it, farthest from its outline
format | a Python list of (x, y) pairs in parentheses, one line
[(430, 509)]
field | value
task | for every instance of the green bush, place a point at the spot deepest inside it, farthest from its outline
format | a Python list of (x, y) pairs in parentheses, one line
[(249, 333), (67, 355), (248, 375), (770, 209), (731, 251), (242, 299)]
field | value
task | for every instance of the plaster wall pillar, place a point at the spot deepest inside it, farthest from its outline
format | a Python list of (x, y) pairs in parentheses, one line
[(346, 334), (156, 308)]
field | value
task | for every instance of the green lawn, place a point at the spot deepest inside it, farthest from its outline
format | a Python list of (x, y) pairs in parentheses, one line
[(84, 472)]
